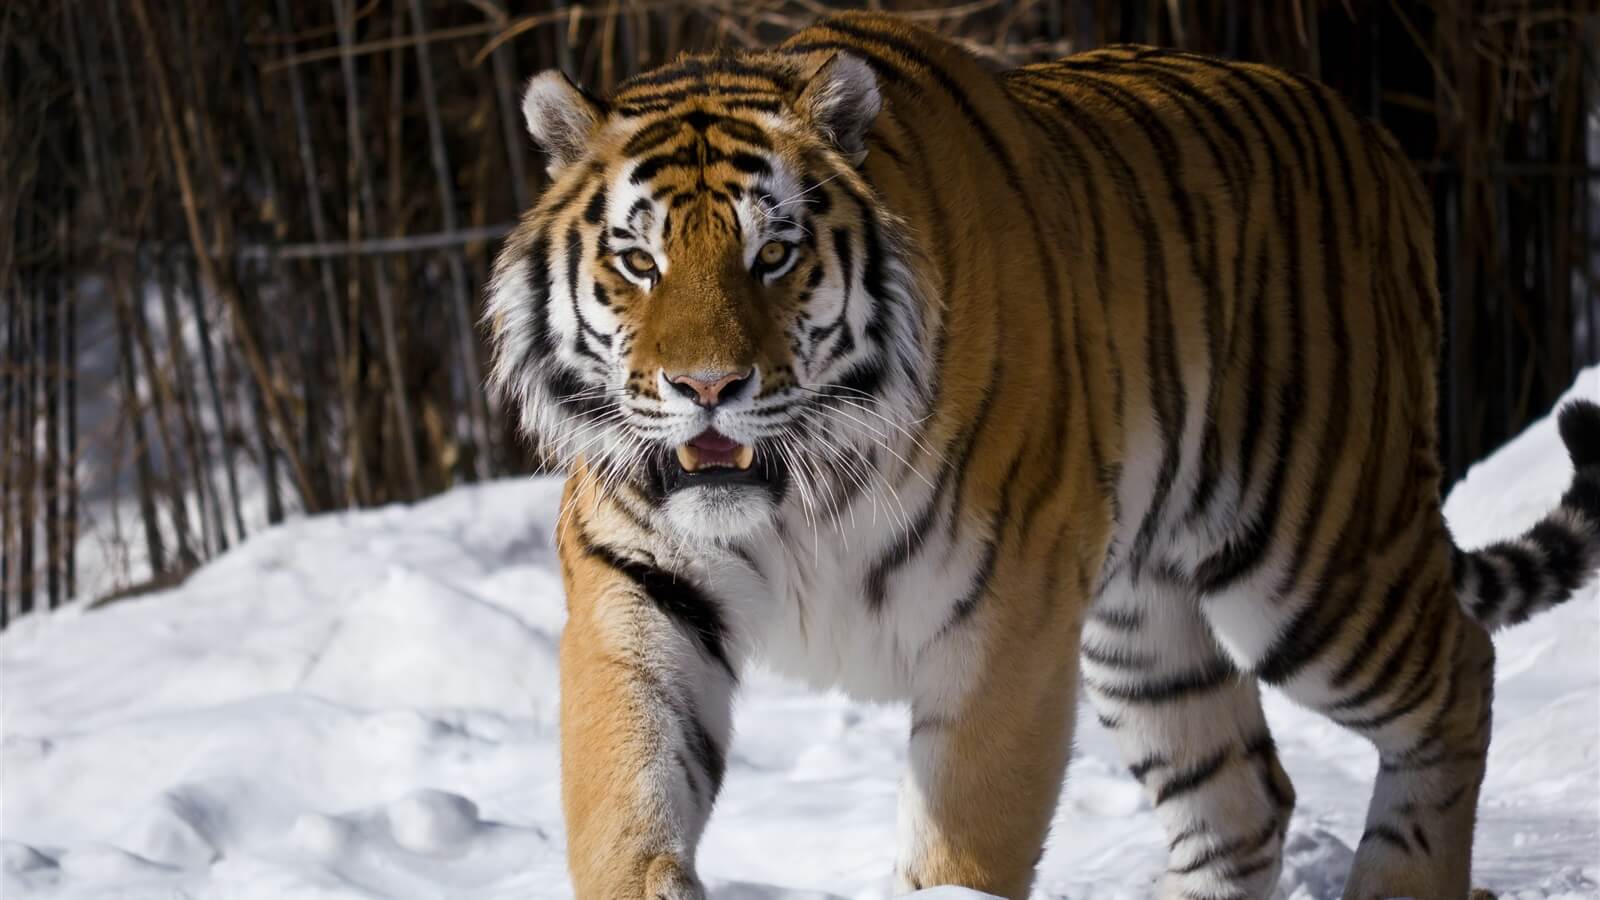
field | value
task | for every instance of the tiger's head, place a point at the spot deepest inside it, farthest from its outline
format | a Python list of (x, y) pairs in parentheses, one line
[(709, 301)]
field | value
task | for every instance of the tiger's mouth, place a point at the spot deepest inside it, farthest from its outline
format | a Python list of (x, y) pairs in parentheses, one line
[(715, 461), (711, 450)]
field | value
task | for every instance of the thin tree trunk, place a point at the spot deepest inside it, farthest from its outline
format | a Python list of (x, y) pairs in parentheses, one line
[(356, 488), (406, 434), (133, 409), (9, 448), (69, 355), (467, 345), (28, 468), (218, 406), (50, 478), (511, 124), (269, 459), (185, 388), (171, 453)]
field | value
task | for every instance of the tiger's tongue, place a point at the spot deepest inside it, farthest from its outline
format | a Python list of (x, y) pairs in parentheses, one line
[(710, 441), (712, 449)]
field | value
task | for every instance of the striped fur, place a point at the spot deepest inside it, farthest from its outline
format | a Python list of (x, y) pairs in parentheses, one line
[(1130, 353)]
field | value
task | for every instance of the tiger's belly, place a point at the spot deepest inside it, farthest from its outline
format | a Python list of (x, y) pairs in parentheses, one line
[(847, 607)]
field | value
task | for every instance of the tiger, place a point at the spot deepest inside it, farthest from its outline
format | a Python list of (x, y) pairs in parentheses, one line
[(969, 389)]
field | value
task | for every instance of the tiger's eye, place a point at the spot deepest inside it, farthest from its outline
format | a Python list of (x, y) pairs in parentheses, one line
[(639, 262), (773, 252)]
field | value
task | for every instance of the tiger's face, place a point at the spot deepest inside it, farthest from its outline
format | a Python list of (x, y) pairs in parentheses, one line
[(707, 302)]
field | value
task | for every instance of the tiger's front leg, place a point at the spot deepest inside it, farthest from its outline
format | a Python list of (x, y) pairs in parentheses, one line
[(646, 689), (986, 769)]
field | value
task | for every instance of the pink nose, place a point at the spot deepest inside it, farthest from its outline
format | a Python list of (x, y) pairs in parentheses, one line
[(708, 388)]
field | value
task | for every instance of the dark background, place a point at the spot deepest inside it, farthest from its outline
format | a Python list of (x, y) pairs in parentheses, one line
[(247, 238)]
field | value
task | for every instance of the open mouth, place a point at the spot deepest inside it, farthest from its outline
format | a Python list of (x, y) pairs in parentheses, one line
[(712, 459), (711, 450)]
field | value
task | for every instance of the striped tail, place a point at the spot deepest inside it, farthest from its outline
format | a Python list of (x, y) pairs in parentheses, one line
[(1508, 582)]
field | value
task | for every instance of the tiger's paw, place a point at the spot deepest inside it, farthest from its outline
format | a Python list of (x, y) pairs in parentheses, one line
[(667, 879)]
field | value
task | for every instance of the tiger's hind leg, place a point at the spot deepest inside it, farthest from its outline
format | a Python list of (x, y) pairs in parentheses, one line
[(1432, 741), (1384, 649), (1191, 729)]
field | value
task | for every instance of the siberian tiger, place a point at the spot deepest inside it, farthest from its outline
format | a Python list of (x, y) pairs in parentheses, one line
[(970, 389)]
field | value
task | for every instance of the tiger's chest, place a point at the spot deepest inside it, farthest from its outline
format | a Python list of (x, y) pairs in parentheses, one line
[(855, 605)]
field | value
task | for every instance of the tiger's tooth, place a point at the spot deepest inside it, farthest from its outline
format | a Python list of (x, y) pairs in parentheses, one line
[(687, 458), (744, 456)]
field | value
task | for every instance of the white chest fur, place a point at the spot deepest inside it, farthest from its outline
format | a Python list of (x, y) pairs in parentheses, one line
[(835, 605)]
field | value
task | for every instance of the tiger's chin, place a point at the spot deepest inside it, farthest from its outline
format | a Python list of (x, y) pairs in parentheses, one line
[(719, 493), (719, 512)]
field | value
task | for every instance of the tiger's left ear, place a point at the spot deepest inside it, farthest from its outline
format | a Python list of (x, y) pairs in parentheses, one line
[(842, 101), (561, 117)]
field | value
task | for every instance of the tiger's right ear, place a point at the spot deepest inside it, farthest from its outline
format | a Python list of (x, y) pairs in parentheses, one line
[(842, 101), (561, 117)]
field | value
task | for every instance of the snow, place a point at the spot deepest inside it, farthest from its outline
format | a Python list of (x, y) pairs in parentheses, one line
[(363, 705)]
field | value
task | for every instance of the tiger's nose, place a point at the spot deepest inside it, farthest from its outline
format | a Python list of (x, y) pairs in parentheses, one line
[(710, 388)]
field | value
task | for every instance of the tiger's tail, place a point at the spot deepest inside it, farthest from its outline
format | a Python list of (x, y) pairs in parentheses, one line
[(1507, 582)]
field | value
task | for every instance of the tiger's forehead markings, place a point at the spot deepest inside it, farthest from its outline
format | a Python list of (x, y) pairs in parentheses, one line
[(736, 83), (700, 152), (700, 120), (712, 139)]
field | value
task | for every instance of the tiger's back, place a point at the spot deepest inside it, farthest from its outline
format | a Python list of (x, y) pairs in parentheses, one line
[(960, 387)]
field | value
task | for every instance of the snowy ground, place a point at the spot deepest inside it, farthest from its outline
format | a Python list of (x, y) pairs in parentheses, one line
[(363, 705)]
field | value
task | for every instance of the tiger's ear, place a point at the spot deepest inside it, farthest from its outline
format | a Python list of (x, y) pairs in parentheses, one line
[(561, 117), (842, 101)]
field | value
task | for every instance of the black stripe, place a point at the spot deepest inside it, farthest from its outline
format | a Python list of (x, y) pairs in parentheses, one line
[(969, 602), (1563, 553), (1423, 681), (1529, 577), (1194, 778), (595, 211), (1387, 835), (702, 68), (1077, 161), (905, 548), (1423, 687), (1393, 601), (1395, 660), (1240, 846), (1449, 800), (1144, 766), (710, 757), (1118, 619), (1243, 552), (1116, 657), (1162, 690), (1491, 590), (1335, 418), (665, 101), (680, 599), (846, 343), (1249, 79), (541, 341)]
